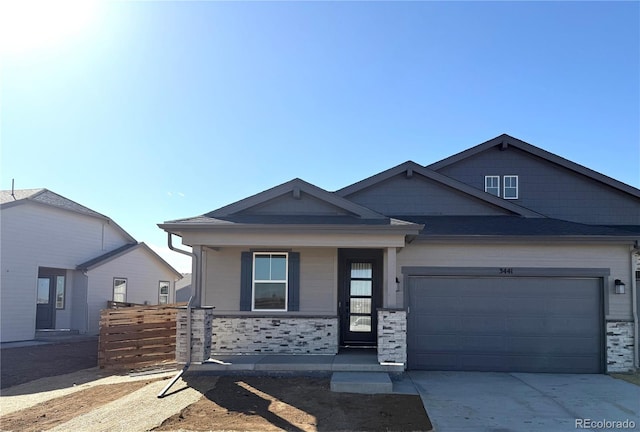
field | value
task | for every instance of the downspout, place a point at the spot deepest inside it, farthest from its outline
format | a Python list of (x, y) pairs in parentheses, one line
[(634, 301), (188, 363), (196, 276), (195, 281)]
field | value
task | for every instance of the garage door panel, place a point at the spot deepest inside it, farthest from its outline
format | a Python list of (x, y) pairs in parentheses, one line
[(561, 346), (505, 324), (539, 325)]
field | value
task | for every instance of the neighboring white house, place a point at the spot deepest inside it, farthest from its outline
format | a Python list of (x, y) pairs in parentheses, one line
[(61, 262)]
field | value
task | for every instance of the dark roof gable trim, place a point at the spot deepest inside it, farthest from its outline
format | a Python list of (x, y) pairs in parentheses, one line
[(296, 187), (505, 140), (122, 250), (411, 168)]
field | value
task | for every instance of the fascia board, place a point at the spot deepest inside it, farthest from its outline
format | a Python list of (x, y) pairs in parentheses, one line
[(406, 228), (475, 239)]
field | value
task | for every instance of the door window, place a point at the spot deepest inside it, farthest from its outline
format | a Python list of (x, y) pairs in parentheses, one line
[(43, 291), (360, 290)]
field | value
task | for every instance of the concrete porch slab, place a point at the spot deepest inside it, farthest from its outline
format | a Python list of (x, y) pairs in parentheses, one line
[(287, 363), (361, 382), (359, 361)]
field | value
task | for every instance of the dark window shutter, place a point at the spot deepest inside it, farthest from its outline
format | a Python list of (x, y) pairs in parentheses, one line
[(246, 279), (294, 281)]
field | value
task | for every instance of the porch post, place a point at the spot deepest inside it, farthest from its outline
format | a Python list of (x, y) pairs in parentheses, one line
[(197, 276), (390, 279)]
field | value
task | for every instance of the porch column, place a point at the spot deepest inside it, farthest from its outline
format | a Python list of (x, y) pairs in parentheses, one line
[(390, 279), (197, 276)]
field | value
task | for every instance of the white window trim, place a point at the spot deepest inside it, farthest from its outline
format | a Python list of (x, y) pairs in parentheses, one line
[(160, 295), (113, 292), (286, 282), (486, 187), (504, 187)]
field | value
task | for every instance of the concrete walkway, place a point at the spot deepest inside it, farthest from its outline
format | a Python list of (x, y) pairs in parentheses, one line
[(487, 401)]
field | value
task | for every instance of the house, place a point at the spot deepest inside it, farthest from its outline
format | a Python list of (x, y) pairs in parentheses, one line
[(183, 288), (504, 257), (61, 262)]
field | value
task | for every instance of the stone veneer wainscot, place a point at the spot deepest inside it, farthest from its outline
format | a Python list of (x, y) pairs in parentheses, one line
[(251, 334), (392, 336), (201, 319), (620, 346)]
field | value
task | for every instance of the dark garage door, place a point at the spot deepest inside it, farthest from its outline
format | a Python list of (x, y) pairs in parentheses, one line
[(524, 324)]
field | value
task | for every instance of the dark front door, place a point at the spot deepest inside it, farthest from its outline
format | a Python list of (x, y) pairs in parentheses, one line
[(50, 287), (360, 295), (45, 307)]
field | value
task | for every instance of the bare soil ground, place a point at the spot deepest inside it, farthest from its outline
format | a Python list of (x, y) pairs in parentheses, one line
[(24, 364), (293, 404), (88, 400), (49, 414)]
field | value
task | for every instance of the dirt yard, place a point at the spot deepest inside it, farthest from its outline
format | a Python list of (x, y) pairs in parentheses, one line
[(24, 364), (92, 399)]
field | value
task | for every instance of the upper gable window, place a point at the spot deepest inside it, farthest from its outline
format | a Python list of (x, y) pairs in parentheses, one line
[(510, 187), (270, 281), (492, 185)]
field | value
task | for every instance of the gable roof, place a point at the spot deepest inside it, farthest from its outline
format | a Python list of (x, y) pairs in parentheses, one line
[(46, 197), (412, 168), (123, 250), (505, 141), (296, 187), (352, 215)]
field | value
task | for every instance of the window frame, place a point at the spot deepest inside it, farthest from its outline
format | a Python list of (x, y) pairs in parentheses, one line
[(160, 295), (61, 305), (497, 188), (126, 282), (254, 281), (515, 188)]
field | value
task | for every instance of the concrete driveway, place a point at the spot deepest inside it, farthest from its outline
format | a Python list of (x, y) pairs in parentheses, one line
[(488, 401)]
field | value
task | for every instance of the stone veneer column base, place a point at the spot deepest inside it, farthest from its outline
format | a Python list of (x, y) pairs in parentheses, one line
[(274, 335), (392, 336), (620, 346), (201, 319)]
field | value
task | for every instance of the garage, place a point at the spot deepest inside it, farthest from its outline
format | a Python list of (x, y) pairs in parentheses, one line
[(505, 324)]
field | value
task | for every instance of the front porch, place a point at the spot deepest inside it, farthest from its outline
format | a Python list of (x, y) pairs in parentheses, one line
[(276, 346)]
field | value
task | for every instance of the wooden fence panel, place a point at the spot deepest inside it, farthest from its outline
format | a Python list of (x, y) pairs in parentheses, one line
[(137, 336)]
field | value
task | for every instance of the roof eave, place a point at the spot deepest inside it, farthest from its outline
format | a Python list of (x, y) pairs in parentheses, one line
[(407, 228), (465, 238)]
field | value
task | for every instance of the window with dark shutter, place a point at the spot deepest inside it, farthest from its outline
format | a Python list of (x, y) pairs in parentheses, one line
[(270, 281)]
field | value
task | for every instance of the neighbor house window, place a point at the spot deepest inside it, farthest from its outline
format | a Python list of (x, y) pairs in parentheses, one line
[(270, 281), (510, 187), (492, 185), (164, 292), (119, 290), (59, 292)]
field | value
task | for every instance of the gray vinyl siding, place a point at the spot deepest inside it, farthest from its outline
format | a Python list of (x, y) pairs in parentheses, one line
[(143, 274), (318, 280), (578, 256), (418, 195), (36, 235), (288, 205), (549, 189)]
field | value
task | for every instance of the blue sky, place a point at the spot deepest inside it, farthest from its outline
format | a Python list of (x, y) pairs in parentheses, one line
[(154, 111)]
